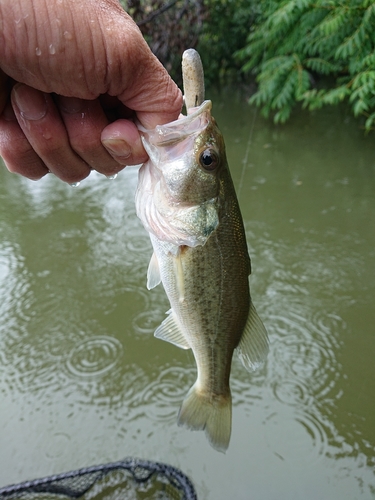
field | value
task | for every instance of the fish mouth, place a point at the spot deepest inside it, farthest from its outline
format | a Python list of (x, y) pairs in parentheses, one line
[(195, 122)]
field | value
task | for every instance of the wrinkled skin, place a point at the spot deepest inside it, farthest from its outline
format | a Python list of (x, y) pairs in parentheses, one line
[(74, 75)]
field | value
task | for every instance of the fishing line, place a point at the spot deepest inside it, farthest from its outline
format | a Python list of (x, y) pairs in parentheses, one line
[(247, 154)]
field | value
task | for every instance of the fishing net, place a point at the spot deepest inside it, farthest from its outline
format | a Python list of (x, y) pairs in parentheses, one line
[(131, 479)]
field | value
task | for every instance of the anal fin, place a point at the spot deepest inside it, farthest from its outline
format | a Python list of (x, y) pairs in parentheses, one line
[(170, 331), (254, 344)]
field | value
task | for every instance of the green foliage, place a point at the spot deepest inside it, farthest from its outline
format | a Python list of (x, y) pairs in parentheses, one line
[(224, 31), (295, 42), (217, 28)]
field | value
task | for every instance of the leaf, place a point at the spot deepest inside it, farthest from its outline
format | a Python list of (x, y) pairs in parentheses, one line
[(282, 115), (370, 122), (360, 106), (334, 21), (320, 65), (335, 95)]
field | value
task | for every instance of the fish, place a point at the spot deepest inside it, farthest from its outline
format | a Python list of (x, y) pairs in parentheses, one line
[(187, 203)]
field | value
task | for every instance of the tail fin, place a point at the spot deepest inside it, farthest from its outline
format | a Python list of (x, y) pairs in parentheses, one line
[(203, 411)]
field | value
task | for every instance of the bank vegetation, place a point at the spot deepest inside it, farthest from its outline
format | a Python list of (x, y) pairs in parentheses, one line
[(299, 52)]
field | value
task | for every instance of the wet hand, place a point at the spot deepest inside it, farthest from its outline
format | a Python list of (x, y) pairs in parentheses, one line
[(75, 76)]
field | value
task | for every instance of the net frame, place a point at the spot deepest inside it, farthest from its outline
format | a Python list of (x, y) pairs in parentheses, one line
[(70, 484)]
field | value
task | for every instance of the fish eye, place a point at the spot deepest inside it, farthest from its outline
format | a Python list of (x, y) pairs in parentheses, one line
[(209, 159)]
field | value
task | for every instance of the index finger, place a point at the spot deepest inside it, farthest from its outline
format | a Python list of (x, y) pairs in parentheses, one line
[(4, 91)]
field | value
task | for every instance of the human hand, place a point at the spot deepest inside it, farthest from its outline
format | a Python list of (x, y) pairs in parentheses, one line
[(75, 76)]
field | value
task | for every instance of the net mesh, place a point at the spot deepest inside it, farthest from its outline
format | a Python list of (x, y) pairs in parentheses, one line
[(131, 479)]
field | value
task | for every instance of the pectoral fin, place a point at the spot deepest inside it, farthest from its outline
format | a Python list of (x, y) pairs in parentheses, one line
[(153, 273), (170, 331), (254, 344)]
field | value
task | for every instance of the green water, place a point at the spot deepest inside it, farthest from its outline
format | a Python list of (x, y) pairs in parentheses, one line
[(82, 379)]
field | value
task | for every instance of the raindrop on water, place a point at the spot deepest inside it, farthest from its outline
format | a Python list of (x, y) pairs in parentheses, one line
[(94, 357), (163, 395)]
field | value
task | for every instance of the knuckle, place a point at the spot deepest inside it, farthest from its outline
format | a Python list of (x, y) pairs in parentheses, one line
[(48, 148)]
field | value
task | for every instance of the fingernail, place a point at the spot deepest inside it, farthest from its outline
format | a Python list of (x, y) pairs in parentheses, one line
[(31, 103), (118, 148), (71, 105)]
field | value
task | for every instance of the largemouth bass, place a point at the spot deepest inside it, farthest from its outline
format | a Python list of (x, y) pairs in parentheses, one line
[(187, 202)]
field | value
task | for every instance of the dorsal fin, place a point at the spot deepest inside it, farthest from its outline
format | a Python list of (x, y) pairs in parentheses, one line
[(254, 344)]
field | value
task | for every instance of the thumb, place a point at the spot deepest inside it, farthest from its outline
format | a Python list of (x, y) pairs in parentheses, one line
[(158, 104), (167, 104), (151, 119), (153, 95), (155, 99)]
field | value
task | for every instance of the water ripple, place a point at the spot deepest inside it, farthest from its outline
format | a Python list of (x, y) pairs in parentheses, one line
[(304, 374), (304, 351), (147, 321), (162, 397), (299, 439), (291, 392), (94, 357)]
